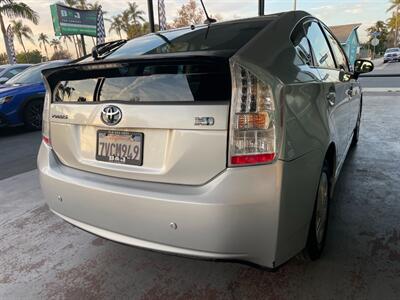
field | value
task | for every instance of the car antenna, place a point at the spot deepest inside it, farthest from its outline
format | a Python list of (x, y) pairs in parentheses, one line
[(208, 20)]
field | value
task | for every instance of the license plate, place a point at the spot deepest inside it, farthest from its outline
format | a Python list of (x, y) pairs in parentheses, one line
[(121, 147)]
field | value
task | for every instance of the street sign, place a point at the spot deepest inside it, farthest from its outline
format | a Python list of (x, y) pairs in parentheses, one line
[(71, 21), (374, 42)]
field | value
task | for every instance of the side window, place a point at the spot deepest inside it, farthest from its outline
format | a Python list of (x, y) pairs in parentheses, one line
[(337, 50), (319, 45), (302, 45)]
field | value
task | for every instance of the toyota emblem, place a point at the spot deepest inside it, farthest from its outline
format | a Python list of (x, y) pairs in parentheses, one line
[(111, 115)]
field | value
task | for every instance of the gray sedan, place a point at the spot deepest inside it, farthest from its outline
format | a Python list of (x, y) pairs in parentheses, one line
[(220, 141)]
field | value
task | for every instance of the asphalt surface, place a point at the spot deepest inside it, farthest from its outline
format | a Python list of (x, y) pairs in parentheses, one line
[(19, 149), (42, 257)]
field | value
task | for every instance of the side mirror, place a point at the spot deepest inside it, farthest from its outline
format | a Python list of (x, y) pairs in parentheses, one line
[(362, 66)]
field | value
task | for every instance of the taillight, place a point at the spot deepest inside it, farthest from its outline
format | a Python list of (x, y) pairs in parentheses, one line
[(46, 116), (252, 124)]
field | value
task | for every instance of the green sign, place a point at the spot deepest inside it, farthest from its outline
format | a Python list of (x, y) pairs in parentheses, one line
[(71, 21)]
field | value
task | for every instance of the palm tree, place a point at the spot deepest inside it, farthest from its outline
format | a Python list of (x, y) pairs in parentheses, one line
[(66, 39), (134, 13), (116, 25), (14, 10), (55, 44), (43, 40), (395, 6), (22, 31)]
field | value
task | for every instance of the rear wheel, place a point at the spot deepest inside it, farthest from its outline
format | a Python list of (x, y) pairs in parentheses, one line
[(319, 222), (33, 114)]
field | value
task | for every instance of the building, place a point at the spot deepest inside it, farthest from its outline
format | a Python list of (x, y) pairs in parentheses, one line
[(348, 37)]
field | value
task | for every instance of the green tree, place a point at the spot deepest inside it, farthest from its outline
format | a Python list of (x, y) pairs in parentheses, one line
[(43, 40), (61, 54), (394, 23), (32, 57), (3, 58), (134, 13), (189, 14), (13, 10), (22, 31), (116, 25), (382, 29)]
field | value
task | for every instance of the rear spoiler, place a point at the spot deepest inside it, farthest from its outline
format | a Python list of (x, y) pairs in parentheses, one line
[(108, 67)]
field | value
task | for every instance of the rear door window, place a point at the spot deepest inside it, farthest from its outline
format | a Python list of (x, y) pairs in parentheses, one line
[(322, 53), (340, 57)]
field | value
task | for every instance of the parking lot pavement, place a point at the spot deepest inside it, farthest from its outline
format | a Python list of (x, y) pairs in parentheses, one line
[(382, 84), (19, 149), (44, 257)]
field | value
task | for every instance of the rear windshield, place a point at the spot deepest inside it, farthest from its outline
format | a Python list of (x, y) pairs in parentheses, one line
[(228, 36), (182, 82)]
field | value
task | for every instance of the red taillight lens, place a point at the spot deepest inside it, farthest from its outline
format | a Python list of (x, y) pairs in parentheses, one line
[(252, 128), (252, 159), (46, 140)]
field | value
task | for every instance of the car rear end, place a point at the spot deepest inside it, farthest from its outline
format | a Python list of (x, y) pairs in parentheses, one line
[(169, 150)]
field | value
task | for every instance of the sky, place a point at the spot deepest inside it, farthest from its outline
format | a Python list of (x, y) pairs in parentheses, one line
[(335, 12)]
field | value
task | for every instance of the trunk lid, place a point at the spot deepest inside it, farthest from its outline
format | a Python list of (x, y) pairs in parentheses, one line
[(178, 109)]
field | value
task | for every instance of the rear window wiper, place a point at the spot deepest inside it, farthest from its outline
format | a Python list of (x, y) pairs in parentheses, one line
[(102, 50)]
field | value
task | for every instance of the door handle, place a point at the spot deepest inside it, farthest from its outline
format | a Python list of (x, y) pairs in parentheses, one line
[(331, 97)]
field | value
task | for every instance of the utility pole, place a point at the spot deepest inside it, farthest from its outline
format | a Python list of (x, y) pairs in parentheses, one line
[(397, 27), (294, 4)]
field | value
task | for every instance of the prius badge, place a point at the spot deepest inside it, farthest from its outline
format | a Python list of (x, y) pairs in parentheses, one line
[(111, 115)]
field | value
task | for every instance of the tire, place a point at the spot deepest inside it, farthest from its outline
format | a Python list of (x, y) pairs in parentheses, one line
[(384, 61), (319, 221), (356, 132), (32, 114)]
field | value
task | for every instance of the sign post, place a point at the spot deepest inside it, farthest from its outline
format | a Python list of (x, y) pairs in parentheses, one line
[(374, 42)]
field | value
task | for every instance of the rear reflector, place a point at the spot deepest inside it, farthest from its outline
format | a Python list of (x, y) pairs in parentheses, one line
[(252, 159), (46, 140)]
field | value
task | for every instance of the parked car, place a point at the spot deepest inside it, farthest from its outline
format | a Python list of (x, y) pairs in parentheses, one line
[(9, 71), (391, 54), (220, 141), (21, 98)]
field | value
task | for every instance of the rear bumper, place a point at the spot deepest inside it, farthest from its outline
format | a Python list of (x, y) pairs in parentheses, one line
[(234, 216)]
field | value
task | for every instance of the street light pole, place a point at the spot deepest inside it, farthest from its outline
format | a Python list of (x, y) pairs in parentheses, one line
[(294, 4), (151, 15), (261, 7)]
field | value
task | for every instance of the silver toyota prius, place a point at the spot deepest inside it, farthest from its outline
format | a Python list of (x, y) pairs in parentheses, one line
[(220, 141)]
